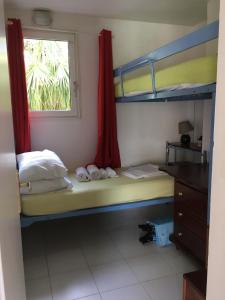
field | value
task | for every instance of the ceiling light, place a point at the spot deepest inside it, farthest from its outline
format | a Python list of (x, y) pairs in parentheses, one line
[(42, 17)]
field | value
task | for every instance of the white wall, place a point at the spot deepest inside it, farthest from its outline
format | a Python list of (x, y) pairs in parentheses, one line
[(216, 262), (142, 128), (133, 39), (212, 15), (11, 262)]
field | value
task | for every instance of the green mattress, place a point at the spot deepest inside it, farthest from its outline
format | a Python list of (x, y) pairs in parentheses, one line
[(97, 193), (200, 71)]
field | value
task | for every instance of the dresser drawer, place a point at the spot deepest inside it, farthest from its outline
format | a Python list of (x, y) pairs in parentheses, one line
[(184, 216), (196, 201), (194, 285), (190, 241)]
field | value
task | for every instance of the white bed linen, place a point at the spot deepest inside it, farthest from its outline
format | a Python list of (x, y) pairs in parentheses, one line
[(143, 171), (40, 165), (44, 186)]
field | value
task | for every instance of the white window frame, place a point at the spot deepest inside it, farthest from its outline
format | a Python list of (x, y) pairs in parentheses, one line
[(71, 38)]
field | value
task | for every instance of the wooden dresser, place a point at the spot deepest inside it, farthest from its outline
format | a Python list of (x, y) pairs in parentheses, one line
[(194, 285), (190, 207)]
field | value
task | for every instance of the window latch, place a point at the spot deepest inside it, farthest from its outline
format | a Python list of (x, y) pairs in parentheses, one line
[(75, 88)]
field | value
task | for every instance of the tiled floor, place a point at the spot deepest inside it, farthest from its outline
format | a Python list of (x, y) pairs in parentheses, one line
[(82, 259)]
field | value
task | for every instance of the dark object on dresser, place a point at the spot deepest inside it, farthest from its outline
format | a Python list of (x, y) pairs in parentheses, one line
[(194, 285), (185, 140), (190, 207), (184, 128)]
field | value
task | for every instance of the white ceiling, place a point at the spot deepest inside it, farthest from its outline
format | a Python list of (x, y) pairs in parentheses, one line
[(187, 12)]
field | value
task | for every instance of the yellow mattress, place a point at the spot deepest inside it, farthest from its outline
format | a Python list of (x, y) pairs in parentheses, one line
[(97, 193), (196, 71)]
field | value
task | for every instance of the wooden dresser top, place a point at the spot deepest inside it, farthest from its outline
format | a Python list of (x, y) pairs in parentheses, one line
[(190, 174)]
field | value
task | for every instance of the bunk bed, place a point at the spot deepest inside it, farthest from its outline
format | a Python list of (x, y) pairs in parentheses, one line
[(180, 82), (188, 91), (183, 91)]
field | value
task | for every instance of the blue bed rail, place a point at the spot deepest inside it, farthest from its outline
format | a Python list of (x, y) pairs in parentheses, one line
[(26, 221), (196, 38)]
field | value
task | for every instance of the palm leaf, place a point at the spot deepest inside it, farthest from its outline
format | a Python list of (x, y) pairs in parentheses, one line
[(47, 74)]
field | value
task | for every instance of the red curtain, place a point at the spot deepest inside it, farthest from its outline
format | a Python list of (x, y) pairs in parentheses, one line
[(18, 86), (107, 150)]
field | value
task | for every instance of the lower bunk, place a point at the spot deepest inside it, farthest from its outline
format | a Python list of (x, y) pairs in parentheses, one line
[(93, 197)]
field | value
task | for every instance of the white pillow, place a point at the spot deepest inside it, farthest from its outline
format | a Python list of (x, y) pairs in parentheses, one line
[(44, 186), (40, 165)]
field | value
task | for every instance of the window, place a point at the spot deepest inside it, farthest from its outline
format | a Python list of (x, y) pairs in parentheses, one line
[(50, 58)]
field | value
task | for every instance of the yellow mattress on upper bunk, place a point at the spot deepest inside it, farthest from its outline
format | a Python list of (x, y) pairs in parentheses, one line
[(91, 194), (199, 71)]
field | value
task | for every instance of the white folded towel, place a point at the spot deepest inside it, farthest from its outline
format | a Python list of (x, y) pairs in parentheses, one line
[(104, 173), (143, 171), (94, 172), (82, 174), (111, 173)]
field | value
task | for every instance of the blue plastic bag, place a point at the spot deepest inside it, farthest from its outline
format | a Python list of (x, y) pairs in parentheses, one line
[(163, 230)]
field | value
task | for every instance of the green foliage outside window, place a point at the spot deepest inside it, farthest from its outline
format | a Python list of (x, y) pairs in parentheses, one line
[(47, 75)]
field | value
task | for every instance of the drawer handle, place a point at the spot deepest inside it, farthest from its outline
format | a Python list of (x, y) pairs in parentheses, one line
[(180, 194), (180, 214), (180, 234)]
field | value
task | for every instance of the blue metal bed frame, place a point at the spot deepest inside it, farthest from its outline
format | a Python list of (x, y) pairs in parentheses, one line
[(196, 38), (29, 220), (203, 35)]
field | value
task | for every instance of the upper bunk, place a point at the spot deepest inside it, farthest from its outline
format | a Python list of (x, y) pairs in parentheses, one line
[(191, 80)]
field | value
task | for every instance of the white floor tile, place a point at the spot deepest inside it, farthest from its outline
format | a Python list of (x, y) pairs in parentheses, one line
[(35, 267), (135, 292), (113, 275), (61, 240), (73, 285), (33, 250), (166, 288), (93, 297), (33, 243), (128, 243), (169, 251), (184, 264), (38, 289), (32, 235), (62, 260), (121, 267), (125, 232), (95, 238), (101, 253), (150, 267), (134, 248)]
